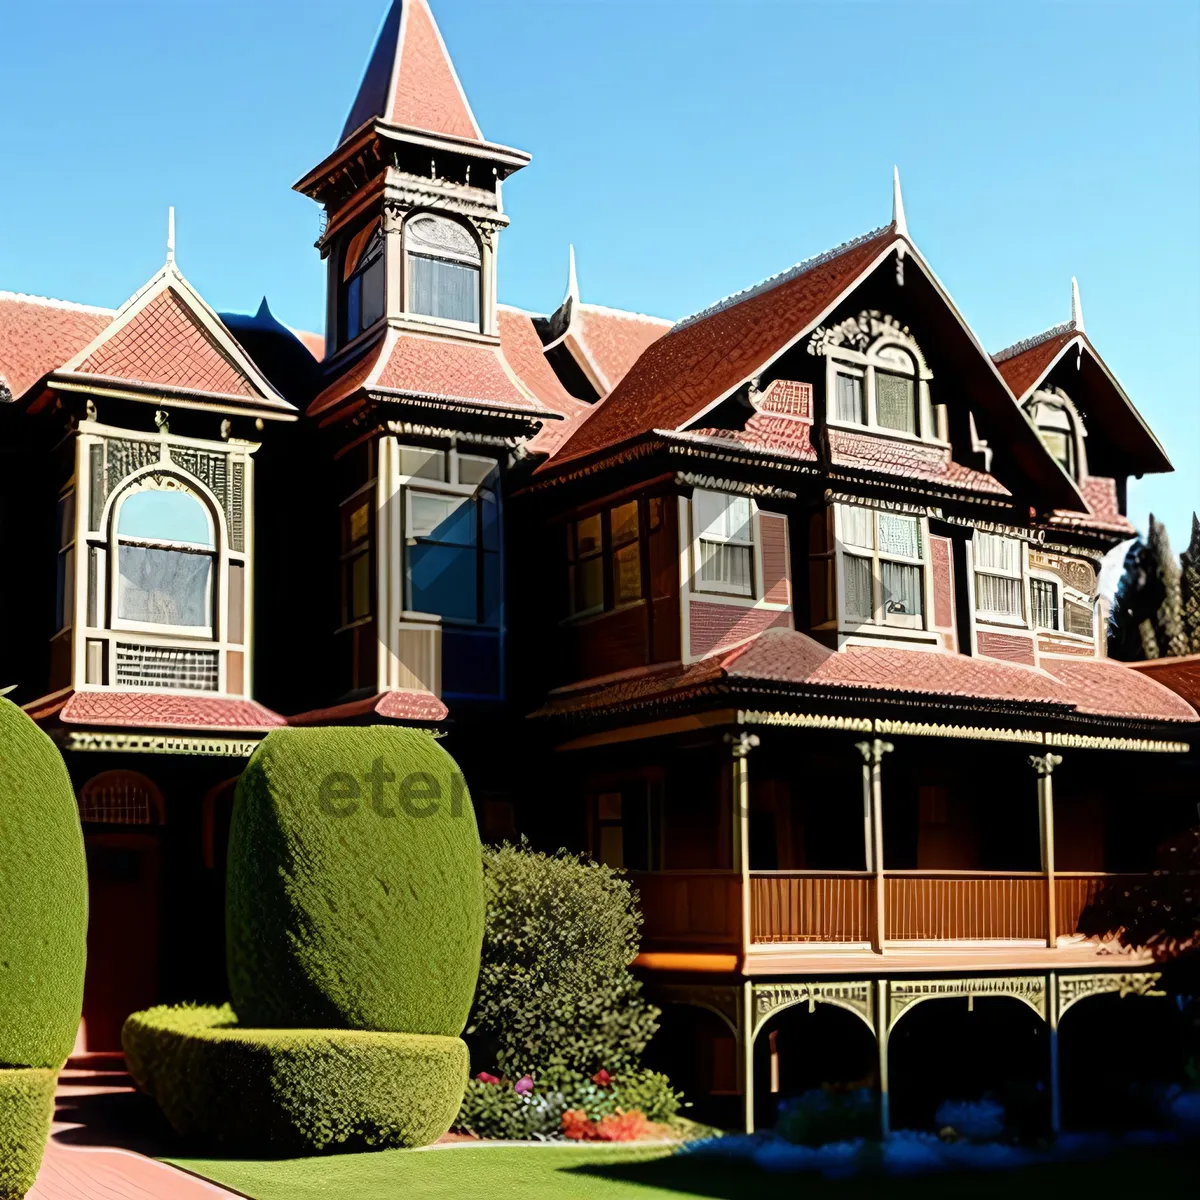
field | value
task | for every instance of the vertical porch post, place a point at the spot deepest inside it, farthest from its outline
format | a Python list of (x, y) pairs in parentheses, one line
[(1052, 1012), (872, 754), (1044, 765), (882, 1018), (742, 743), (747, 1047)]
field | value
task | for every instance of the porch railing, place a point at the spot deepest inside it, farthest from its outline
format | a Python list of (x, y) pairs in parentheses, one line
[(1075, 890), (810, 906), (964, 906), (689, 907)]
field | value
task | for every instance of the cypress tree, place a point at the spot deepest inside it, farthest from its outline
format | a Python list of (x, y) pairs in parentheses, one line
[(1190, 589), (1168, 620)]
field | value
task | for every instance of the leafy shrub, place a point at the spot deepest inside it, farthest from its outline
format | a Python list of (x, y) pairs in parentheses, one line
[(347, 908), (294, 1091), (43, 898), (26, 1107), (824, 1115), (498, 1110), (555, 993)]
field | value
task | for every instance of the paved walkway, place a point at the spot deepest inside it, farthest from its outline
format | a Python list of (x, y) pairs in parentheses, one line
[(102, 1140)]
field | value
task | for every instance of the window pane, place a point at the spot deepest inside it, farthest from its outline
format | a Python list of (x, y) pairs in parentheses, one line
[(899, 535), (894, 408), (491, 589), (726, 566), (474, 470), (857, 526), (439, 288), (720, 516), (489, 520), (848, 399), (372, 293), (359, 598), (443, 580), (998, 595), (354, 307), (587, 537), (165, 517), (996, 553), (624, 523), (627, 574), (66, 520), (1077, 618), (66, 589), (1043, 597), (612, 846), (901, 589), (358, 526), (860, 603), (164, 587), (423, 464), (443, 518), (588, 585), (1059, 445)]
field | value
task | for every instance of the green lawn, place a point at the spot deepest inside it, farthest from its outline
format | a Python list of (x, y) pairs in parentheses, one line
[(567, 1173)]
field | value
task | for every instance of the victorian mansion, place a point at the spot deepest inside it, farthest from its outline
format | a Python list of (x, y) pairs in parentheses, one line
[(788, 608)]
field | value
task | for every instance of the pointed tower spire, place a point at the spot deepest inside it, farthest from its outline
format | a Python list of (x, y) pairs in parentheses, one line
[(898, 205), (1076, 307), (572, 280), (171, 234)]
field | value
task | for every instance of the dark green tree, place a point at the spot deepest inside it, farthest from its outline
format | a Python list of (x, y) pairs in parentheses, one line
[(1189, 589)]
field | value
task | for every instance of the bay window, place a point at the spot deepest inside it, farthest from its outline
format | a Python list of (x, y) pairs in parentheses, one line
[(883, 567), (724, 543), (999, 586)]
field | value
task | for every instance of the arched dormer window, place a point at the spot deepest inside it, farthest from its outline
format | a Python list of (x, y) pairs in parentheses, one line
[(1060, 429), (362, 282), (876, 376), (443, 270), (164, 547)]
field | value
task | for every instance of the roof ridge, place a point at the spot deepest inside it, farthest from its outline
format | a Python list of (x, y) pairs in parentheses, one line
[(525, 312), (627, 313), (51, 302), (1036, 340), (781, 277)]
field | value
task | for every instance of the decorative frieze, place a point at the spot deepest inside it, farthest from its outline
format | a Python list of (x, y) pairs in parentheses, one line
[(126, 456), (722, 1000), (861, 333), (139, 743), (1072, 988), (1029, 989), (856, 996), (1074, 572)]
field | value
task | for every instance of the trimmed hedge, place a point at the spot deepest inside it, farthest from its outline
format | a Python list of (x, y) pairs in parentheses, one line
[(294, 1091), (355, 889), (43, 898), (26, 1108)]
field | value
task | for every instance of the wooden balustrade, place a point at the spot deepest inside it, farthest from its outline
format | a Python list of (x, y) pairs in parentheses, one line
[(960, 906), (807, 906), (689, 907), (1074, 891)]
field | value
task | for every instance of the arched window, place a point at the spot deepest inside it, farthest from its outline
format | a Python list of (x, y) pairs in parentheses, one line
[(443, 269), (362, 282), (121, 798), (165, 551), (1060, 430)]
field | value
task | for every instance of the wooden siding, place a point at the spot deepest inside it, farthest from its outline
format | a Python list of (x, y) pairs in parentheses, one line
[(693, 908)]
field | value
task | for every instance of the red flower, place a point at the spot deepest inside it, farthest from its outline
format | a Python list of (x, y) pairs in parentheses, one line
[(602, 1078), (484, 1077), (523, 1085)]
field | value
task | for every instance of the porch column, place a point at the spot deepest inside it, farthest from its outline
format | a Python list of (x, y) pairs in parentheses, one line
[(747, 1048), (742, 743), (1052, 1013), (882, 1018), (1044, 765), (872, 754)]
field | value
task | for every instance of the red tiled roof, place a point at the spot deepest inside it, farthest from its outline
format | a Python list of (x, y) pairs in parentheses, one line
[(615, 339), (697, 362), (348, 382), (164, 345), (398, 705), (37, 335), (1107, 688), (167, 710), (410, 79), (1103, 510), (1024, 364), (1181, 674), (522, 350), (793, 660)]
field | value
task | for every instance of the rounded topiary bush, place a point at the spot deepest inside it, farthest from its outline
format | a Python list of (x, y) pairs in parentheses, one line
[(355, 884), (43, 935)]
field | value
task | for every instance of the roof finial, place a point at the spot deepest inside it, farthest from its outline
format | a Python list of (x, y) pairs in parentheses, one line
[(171, 234), (898, 205), (1076, 307), (572, 281)]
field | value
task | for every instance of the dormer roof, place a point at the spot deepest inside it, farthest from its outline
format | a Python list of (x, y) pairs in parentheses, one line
[(410, 80)]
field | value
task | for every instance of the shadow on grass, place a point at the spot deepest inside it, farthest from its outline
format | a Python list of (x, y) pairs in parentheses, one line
[(1167, 1172)]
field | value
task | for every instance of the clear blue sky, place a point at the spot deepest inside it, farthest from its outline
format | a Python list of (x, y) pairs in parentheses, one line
[(687, 148)]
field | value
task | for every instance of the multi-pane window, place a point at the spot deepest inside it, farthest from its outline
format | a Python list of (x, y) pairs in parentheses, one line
[(604, 559), (453, 555), (362, 282), (356, 557), (725, 543), (65, 596), (1077, 619), (882, 567), (443, 269), (849, 401), (999, 589), (895, 406), (165, 560), (879, 390), (1043, 601), (1056, 427)]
